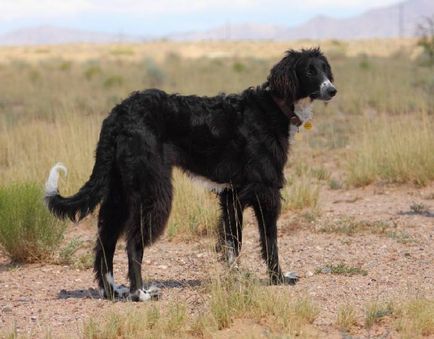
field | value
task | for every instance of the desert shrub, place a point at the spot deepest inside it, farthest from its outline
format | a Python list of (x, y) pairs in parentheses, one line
[(426, 40), (28, 232), (92, 71), (113, 80), (155, 75)]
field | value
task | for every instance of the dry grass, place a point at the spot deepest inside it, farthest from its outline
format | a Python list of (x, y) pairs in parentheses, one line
[(346, 318), (394, 149), (231, 297), (376, 312), (214, 49), (145, 322), (195, 210), (302, 188), (241, 296), (416, 318), (351, 226)]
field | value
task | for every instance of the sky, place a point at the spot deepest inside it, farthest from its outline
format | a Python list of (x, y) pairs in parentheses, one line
[(160, 17)]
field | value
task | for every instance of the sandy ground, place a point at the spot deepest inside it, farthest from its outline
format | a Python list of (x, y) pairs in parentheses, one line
[(39, 299)]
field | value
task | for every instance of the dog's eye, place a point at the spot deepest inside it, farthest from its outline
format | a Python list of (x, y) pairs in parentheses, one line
[(311, 71)]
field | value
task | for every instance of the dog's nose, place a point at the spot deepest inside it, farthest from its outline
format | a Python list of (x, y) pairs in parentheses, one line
[(332, 91)]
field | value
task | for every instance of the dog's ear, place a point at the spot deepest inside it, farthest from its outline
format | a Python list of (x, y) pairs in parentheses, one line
[(282, 79)]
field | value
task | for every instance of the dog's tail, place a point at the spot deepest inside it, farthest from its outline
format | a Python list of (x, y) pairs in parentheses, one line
[(77, 206)]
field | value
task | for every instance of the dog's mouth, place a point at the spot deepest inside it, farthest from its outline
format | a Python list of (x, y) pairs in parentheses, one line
[(324, 94)]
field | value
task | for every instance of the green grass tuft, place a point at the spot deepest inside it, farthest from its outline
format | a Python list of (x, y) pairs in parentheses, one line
[(28, 232), (376, 312), (341, 269)]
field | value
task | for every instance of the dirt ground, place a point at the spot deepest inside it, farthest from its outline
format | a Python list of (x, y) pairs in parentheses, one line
[(39, 299)]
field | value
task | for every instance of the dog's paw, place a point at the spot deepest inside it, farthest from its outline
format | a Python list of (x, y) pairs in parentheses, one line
[(116, 292), (142, 294), (121, 291), (290, 278)]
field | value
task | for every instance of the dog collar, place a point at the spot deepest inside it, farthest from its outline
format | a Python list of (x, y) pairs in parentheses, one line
[(289, 112)]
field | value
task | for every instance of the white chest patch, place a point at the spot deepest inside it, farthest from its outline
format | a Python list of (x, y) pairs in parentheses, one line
[(303, 109), (208, 184)]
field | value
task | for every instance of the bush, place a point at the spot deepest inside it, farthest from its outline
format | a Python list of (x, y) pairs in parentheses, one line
[(28, 232), (426, 40)]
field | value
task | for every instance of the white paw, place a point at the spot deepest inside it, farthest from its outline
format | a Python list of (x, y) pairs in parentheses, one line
[(291, 277), (121, 291), (152, 293)]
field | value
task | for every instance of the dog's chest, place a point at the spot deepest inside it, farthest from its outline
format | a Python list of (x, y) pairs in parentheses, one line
[(207, 184), (303, 109)]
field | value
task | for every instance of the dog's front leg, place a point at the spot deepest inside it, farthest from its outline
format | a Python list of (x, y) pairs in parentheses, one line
[(267, 210), (230, 227)]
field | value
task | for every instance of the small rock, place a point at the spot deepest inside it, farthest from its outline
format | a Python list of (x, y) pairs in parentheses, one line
[(309, 274), (7, 309)]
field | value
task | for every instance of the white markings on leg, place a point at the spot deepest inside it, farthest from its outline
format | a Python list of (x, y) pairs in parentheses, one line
[(120, 291)]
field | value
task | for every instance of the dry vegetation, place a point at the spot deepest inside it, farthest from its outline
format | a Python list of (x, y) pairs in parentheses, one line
[(379, 130)]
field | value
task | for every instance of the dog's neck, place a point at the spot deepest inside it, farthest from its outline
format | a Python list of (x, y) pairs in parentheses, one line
[(298, 113), (289, 111)]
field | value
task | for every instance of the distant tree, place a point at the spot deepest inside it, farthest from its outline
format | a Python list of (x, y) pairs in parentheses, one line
[(425, 31)]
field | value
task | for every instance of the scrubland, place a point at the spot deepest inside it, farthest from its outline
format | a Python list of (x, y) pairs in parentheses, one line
[(360, 182)]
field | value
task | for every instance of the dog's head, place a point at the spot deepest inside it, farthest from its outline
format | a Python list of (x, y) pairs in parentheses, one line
[(302, 74)]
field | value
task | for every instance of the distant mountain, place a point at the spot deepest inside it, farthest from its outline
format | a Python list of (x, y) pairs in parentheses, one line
[(246, 31), (392, 21), (46, 35), (396, 20)]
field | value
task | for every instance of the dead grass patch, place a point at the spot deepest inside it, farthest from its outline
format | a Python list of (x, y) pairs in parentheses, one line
[(415, 318), (346, 318), (394, 149)]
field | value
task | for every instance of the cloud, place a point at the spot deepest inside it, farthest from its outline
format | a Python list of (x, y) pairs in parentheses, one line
[(41, 9), (30, 9)]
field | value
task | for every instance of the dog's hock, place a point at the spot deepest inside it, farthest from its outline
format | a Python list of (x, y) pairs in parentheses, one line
[(53, 179)]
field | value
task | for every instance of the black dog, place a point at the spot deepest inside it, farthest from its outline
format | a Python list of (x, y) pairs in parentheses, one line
[(238, 142)]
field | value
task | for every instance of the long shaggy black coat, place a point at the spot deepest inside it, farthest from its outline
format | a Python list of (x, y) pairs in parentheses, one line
[(239, 142)]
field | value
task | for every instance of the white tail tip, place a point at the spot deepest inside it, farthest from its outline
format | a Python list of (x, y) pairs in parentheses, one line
[(53, 178)]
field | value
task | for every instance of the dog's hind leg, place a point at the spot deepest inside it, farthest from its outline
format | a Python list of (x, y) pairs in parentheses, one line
[(150, 213), (111, 220), (148, 186), (230, 226)]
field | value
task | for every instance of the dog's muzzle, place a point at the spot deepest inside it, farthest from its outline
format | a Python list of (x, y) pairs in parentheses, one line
[(327, 90)]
